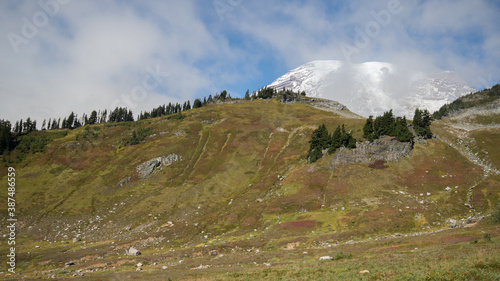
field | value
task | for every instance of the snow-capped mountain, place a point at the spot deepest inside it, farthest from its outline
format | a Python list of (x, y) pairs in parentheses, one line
[(374, 87)]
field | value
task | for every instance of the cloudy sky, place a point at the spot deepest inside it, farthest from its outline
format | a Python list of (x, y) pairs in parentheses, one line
[(59, 56)]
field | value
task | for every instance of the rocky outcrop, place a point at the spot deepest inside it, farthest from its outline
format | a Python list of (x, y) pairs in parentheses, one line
[(384, 149), (145, 169), (324, 103)]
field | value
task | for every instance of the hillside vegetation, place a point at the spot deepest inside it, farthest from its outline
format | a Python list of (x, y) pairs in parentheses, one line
[(485, 98), (229, 186)]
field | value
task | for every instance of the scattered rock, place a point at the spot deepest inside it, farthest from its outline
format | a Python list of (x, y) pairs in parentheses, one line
[(213, 253), (138, 269), (69, 263), (164, 267), (325, 258), (133, 252), (202, 267), (364, 271), (208, 122), (452, 223), (139, 264), (76, 239), (180, 133), (124, 181)]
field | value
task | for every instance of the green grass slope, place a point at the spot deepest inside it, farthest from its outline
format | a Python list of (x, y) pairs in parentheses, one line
[(243, 183)]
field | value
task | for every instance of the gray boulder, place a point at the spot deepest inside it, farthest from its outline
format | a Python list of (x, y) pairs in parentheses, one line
[(145, 169), (133, 252)]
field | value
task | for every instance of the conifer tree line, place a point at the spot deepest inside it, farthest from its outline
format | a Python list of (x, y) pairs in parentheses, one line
[(397, 127), (122, 114), (267, 93), (480, 98), (6, 137), (322, 140), (177, 108), (9, 133)]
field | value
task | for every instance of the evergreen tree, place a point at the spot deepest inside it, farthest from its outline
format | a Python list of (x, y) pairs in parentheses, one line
[(403, 134), (314, 154), (197, 103), (247, 95), (130, 116), (341, 138), (223, 95), (422, 122), (54, 125), (93, 118), (27, 125), (266, 93), (335, 141), (368, 131), (388, 125), (385, 125), (319, 141), (18, 128), (70, 120), (64, 123), (6, 137), (104, 116)]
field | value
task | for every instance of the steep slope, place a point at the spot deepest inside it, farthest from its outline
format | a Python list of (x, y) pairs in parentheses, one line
[(234, 179), (374, 87)]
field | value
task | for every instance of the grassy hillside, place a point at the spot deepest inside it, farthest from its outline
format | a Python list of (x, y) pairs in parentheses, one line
[(243, 185), (480, 99)]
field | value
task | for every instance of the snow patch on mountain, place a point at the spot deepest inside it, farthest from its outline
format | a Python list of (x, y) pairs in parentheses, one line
[(371, 88)]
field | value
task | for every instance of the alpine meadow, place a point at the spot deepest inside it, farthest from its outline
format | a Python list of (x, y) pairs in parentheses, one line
[(228, 191)]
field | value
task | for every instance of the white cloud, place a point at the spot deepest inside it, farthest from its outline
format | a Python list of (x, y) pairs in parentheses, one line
[(91, 54)]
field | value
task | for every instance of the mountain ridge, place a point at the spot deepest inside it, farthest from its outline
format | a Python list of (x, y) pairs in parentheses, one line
[(371, 88), (232, 179)]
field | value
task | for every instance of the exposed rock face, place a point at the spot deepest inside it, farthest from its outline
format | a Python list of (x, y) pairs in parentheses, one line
[(384, 149), (147, 168), (329, 104)]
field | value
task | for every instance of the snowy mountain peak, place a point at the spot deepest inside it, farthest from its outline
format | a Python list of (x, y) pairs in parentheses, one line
[(371, 88)]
